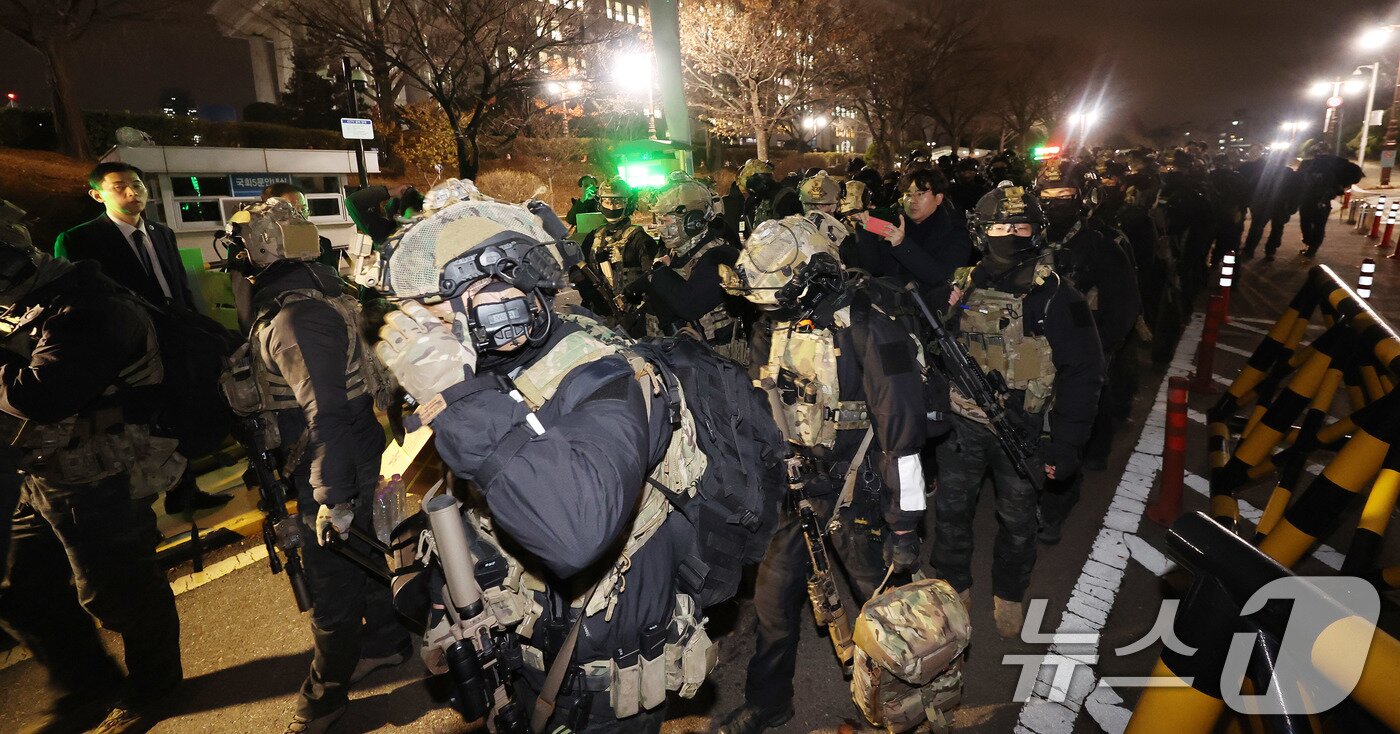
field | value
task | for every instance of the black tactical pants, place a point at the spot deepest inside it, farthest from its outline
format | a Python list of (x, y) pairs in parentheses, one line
[(1257, 221), (80, 550), (780, 595), (1312, 217), (965, 457), (352, 614)]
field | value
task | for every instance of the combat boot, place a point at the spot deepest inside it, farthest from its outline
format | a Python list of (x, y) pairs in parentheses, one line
[(750, 719), (1010, 617), (303, 724)]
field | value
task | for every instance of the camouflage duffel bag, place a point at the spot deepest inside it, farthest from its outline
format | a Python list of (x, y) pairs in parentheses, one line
[(909, 652)]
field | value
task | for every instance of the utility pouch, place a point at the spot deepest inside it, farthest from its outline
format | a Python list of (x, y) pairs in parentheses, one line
[(625, 692), (653, 679)]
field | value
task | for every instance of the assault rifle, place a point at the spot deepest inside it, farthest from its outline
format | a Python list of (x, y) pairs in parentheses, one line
[(280, 530), (988, 390), (821, 586), (480, 655)]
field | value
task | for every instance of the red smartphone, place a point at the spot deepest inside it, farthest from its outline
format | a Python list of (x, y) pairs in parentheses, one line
[(878, 227)]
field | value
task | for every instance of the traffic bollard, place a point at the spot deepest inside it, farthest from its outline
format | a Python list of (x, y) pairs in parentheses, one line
[(1167, 508), (1227, 280), (1389, 225), (1376, 218), (1203, 380), (1346, 204), (1368, 274)]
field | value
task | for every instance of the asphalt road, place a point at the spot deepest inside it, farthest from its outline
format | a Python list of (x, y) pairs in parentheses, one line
[(247, 649)]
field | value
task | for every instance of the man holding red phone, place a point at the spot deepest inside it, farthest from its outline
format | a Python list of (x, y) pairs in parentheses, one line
[(926, 243)]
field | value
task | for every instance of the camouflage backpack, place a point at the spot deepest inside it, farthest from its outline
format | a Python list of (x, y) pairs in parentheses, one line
[(909, 651)]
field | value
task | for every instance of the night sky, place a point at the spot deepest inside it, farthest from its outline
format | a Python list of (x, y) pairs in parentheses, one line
[(1165, 61)]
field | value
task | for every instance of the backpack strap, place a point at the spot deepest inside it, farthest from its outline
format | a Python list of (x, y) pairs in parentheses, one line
[(848, 487)]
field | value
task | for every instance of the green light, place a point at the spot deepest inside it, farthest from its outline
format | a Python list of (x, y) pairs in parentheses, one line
[(1042, 152), (642, 175), (194, 183)]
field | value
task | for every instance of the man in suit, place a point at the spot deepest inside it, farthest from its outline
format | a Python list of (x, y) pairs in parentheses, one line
[(142, 256), (137, 253)]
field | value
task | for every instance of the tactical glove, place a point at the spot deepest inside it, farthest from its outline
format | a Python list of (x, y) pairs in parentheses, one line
[(423, 353), (902, 551), (334, 519)]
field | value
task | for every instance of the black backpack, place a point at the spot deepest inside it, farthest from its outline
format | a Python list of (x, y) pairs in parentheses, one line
[(194, 350), (735, 507)]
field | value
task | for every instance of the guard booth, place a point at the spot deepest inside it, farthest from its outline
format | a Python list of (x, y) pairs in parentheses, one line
[(194, 191)]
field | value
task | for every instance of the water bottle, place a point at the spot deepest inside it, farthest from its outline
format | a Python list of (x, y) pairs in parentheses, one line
[(388, 506)]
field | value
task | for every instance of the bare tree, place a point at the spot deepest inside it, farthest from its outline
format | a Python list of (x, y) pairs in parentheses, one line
[(476, 58), (53, 28), (358, 27), (897, 65), (750, 66), (1036, 78)]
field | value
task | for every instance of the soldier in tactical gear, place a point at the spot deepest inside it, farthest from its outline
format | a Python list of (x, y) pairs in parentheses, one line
[(968, 186), (1097, 261), (1230, 197), (842, 372), (557, 433), (684, 291), (312, 369), (1020, 318), (765, 197), (619, 253), (79, 373)]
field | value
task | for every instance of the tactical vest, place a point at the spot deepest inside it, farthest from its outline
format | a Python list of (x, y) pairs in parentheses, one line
[(254, 385), (99, 442), (689, 655), (993, 328), (717, 327), (801, 373), (609, 253)]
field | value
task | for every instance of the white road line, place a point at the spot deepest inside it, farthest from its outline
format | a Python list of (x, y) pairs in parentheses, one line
[(212, 572), (1094, 592), (1222, 346)]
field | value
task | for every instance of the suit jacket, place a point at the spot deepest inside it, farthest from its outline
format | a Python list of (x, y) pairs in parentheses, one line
[(101, 240)]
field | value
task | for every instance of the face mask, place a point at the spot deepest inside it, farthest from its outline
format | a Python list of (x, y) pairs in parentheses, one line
[(612, 214), (1005, 253), (1061, 213)]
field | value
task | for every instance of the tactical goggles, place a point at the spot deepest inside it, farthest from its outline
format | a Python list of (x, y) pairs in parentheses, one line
[(1059, 192)]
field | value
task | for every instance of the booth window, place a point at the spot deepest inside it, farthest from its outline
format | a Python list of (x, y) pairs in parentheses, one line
[(197, 201)]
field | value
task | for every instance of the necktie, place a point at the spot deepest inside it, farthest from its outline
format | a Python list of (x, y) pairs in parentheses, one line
[(138, 241)]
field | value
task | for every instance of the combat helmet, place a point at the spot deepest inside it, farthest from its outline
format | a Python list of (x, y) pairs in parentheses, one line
[(773, 266)]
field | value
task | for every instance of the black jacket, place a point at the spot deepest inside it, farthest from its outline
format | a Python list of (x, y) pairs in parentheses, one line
[(931, 250), (676, 300), (1055, 310), (566, 497), (1097, 261), (876, 362), (100, 240), (365, 207), (86, 334), (307, 344)]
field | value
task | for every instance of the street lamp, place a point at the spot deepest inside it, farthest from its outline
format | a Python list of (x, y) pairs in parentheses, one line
[(1357, 76), (814, 125), (632, 72), (566, 91), (1376, 38), (1333, 120)]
